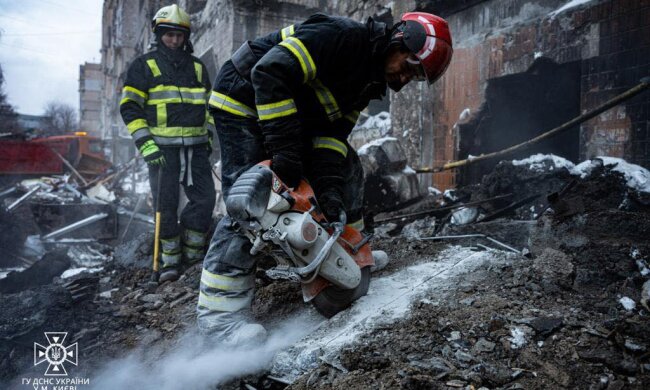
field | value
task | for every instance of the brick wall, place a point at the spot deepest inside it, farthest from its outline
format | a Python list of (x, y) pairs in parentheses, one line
[(610, 38)]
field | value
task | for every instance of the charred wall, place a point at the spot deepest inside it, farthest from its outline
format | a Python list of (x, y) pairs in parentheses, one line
[(609, 39)]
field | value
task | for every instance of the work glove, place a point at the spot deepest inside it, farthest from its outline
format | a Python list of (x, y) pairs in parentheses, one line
[(332, 207), (287, 169), (151, 153)]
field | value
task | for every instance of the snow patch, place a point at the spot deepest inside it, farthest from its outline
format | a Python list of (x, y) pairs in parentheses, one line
[(434, 191), (378, 121), (544, 162), (517, 337), (408, 170), (378, 142), (627, 303), (637, 177), (76, 271)]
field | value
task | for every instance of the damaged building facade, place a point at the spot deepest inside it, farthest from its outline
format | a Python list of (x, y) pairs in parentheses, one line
[(520, 68)]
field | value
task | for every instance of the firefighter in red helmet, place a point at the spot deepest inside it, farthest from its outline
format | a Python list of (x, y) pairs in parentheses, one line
[(293, 96)]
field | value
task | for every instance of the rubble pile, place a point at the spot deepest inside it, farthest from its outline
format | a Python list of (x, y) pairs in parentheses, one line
[(569, 313), (565, 307)]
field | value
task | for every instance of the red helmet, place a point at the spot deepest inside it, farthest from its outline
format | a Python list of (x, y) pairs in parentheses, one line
[(427, 36)]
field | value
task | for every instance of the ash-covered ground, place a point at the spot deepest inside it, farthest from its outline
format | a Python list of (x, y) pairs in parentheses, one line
[(569, 311)]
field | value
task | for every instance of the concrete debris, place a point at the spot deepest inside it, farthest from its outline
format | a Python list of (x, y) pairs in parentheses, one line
[(468, 313)]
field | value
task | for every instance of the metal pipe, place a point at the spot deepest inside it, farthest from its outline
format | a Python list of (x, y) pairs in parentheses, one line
[(75, 226), (501, 244), (433, 211), (23, 198), (642, 86)]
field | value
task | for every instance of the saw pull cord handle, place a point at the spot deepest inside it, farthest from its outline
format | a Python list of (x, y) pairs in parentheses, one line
[(322, 255), (156, 242)]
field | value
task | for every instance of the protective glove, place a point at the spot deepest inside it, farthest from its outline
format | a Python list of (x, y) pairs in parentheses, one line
[(287, 169), (151, 153), (332, 206)]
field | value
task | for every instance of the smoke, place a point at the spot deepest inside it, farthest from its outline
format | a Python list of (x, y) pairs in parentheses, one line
[(193, 365)]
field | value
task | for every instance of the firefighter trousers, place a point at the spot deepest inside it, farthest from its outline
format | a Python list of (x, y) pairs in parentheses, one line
[(228, 276), (190, 166)]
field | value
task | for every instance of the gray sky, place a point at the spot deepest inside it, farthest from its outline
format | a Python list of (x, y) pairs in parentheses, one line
[(42, 44)]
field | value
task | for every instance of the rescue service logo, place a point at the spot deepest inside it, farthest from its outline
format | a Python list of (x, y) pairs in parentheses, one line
[(57, 355)]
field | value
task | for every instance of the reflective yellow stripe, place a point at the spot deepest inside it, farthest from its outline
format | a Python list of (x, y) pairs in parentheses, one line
[(230, 304), (199, 71), (228, 104), (178, 131), (171, 94), (136, 125), (287, 32), (358, 225), (154, 67), (330, 143), (173, 88), (171, 245), (353, 117), (161, 116), (298, 49), (135, 91), (326, 99), (227, 283), (133, 95), (276, 110)]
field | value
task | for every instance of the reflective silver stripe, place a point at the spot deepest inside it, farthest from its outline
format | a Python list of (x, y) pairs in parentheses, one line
[(287, 32), (171, 245), (130, 95), (158, 97), (298, 49), (170, 260), (226, 103), (192, 253), (141, 133), (277, 109), (330, 143), (193, 95), (180, 141), (194, 238), (230, 304), (227, 283), (326, 99)]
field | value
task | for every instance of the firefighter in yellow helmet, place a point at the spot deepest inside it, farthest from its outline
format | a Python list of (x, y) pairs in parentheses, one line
[(164, 108)]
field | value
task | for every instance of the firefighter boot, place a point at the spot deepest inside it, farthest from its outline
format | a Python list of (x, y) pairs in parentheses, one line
[(171, 259)]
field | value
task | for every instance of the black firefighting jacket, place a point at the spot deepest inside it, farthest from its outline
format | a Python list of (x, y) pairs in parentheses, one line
[(165, 97), (307, 80)]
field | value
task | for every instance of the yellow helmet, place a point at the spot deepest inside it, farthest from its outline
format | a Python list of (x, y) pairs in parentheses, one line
[(173, 17)]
